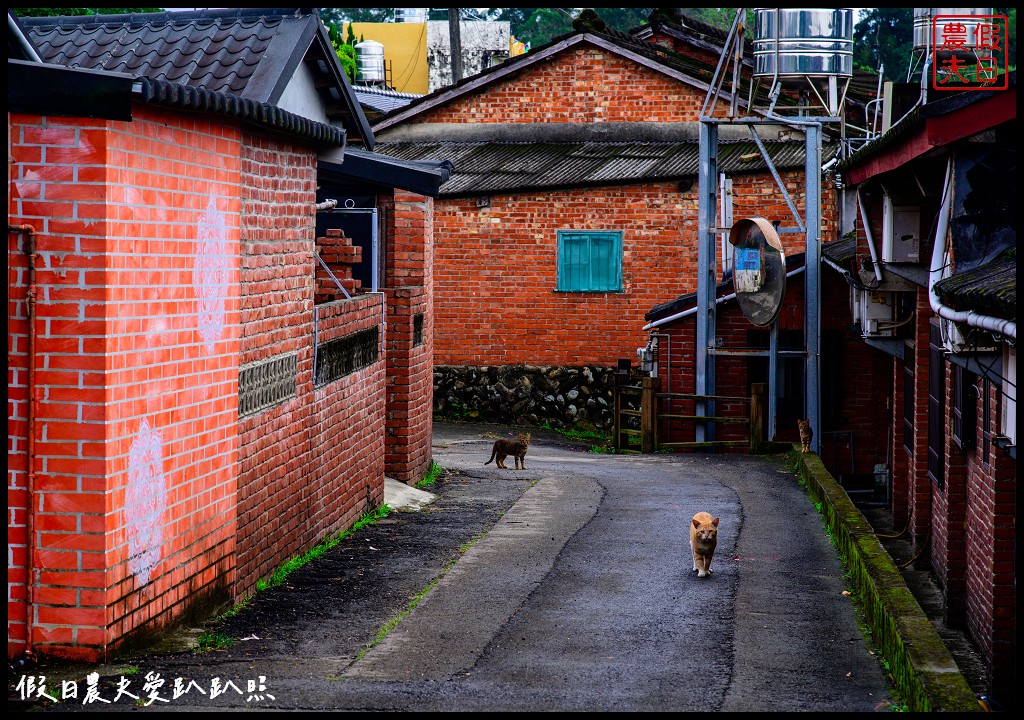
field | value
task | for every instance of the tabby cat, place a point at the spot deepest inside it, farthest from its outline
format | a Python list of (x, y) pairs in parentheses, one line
[(805, 434), (703, 539), (517, 448)]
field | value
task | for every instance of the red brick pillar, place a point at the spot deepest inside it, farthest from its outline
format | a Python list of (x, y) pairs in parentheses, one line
[(409, 287)]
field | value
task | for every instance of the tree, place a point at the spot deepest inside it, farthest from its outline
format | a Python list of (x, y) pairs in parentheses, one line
[(544, 24), (345, 49), (340, 16), (885, 36), (54, 12)]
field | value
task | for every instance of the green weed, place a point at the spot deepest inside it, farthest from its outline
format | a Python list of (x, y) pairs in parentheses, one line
[(433, 475), (393, 622), (210, 641), (299, 561)]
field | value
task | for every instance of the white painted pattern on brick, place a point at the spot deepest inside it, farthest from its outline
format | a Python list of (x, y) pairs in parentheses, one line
[(211, 273), (145, 501)]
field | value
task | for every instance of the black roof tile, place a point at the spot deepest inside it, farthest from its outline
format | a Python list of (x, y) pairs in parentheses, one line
[(249, 52), (989, 289)]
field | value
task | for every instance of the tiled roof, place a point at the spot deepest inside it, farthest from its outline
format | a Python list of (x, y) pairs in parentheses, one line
[(840, 251), (218, 53), (159, 92), (252, 53), (487, 168), (382, 101), (989, 289)]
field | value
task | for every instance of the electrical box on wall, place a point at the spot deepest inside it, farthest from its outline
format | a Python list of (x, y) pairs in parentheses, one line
[(875, 313), (901, 232)]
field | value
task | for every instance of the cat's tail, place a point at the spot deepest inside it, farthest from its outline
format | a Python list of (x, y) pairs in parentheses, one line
[(493, 453)]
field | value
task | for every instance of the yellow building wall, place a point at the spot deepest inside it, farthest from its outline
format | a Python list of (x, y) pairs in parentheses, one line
[(405, 53)]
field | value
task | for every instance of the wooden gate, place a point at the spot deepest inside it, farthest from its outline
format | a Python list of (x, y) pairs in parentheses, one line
[(642, 414)]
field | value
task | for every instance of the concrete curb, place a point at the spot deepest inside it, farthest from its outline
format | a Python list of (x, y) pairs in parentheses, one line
[(922, 668), (405, 498)]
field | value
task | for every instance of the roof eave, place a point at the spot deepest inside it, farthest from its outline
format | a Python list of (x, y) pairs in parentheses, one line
[(418, 177)]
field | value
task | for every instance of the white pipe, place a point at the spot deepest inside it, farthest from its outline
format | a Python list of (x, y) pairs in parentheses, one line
[(1007, 328), (693, 310), (867, 234)]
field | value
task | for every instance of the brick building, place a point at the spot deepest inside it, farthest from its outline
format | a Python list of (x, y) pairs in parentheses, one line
[(571, 211), (190, 406), (931, 275)]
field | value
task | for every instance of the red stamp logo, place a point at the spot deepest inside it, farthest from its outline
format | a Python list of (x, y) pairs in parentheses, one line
[(969, 52)]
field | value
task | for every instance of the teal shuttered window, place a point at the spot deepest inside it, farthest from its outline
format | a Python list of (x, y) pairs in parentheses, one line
[(589, 261)]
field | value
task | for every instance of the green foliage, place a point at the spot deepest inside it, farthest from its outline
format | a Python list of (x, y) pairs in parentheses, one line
[(210, 641), (544, 24), (341, 16), (299, 561), (453, 413), (432, 476), (345, 50), (721, 18), (885, 36), (54, 12)]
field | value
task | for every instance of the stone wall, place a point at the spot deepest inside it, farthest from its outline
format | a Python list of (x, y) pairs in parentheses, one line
[(564, 397)]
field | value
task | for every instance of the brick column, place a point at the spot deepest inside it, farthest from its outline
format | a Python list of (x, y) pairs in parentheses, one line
[(409, 341)]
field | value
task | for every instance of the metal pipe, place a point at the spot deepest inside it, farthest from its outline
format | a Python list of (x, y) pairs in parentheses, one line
[(30, 302), (867, 234), (1007, 328), (693, 310), (775, 174)]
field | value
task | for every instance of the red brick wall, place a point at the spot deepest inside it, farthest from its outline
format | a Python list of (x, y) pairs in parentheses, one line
[(410, 354), (136, 376), (496, 267), (919, 485), (949, 508), (588, 84), (496, 271), (311, 464), (990, 557)]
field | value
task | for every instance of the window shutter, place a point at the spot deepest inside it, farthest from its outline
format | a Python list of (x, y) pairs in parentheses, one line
[(590, 261)]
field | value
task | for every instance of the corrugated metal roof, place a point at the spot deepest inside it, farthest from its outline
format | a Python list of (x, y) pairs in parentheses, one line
[(483, 168), (989, 289)]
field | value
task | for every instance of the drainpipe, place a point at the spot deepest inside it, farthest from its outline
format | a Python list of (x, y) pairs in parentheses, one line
[(30, 302), (1006, 328), (867, 234)]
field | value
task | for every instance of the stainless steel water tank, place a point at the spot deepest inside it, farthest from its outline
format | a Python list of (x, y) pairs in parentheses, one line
[(804, 41), (923, 25), (370, 61)]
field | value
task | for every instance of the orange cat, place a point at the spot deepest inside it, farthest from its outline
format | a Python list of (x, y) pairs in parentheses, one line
[(703, 539), (806, 434)]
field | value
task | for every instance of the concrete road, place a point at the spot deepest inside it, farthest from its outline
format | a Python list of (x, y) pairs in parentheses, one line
[(580, 596)]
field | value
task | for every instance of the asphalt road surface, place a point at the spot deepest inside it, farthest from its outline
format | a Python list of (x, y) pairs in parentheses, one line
[(576, 594)]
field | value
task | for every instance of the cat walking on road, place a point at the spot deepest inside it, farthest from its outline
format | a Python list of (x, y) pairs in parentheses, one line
[(703, 540), (517, 448)]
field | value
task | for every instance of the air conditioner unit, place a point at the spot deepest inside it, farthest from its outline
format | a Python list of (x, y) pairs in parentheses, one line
[(901, 232), (958, 338), (875, 313)]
